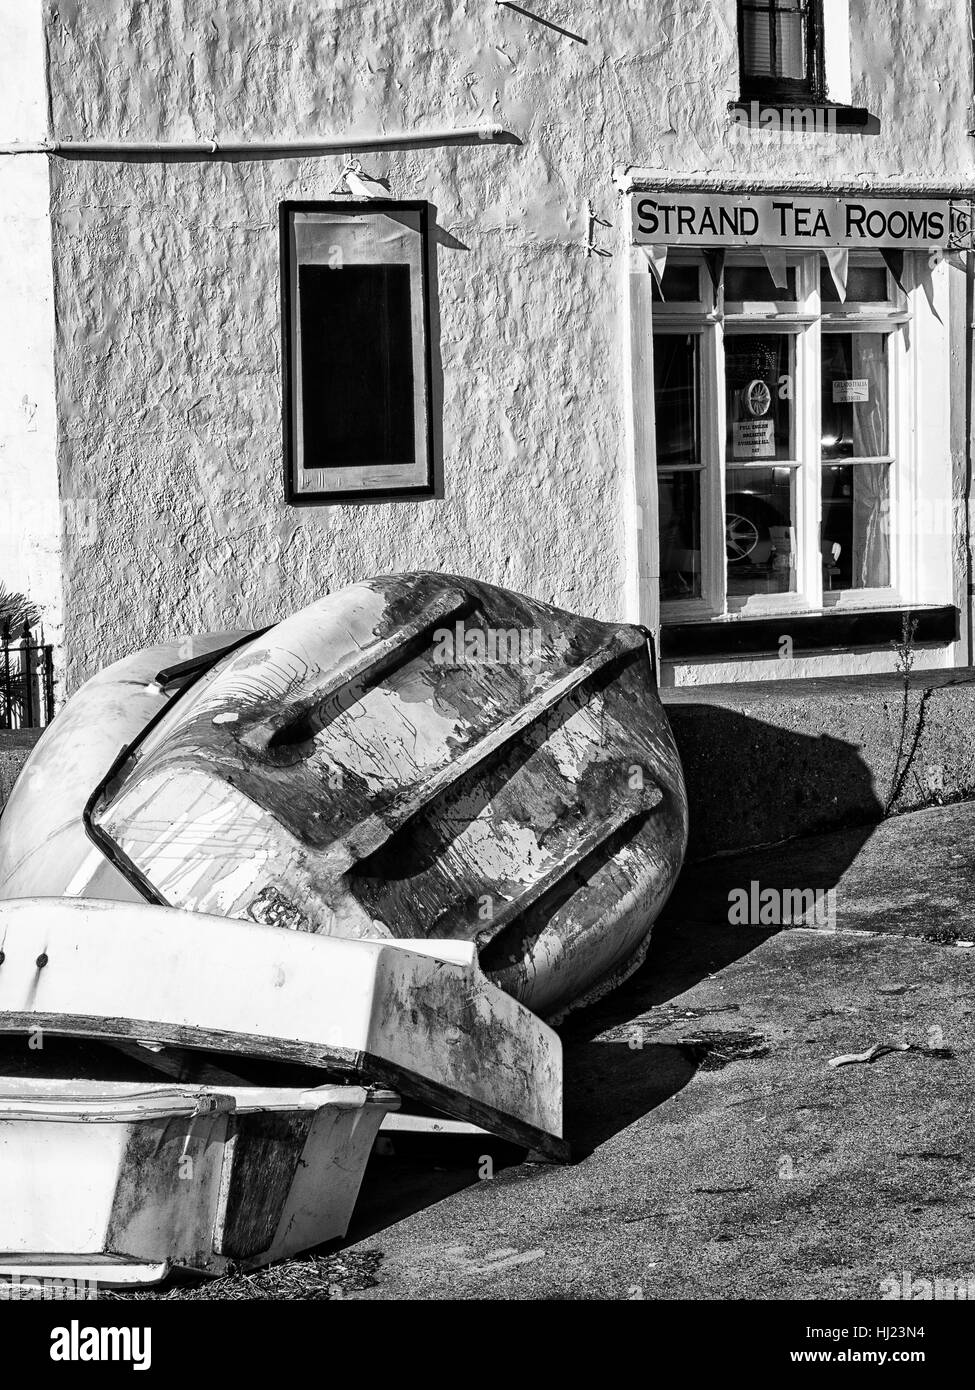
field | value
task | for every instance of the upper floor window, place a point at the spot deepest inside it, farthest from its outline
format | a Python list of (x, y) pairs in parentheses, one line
[(780, 46), (356, 351)]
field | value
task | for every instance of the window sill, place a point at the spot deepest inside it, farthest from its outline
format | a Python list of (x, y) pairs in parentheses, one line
[(815, 632), (805, 116)]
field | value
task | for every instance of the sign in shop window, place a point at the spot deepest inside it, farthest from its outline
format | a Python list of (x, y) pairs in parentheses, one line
[(760, 400)]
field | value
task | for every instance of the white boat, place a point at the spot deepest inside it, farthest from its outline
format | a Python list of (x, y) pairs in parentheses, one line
[(417, 1016), (117, 1184)]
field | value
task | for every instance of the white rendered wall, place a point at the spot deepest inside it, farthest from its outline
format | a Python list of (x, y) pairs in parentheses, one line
[(169, 391), (30, 514)]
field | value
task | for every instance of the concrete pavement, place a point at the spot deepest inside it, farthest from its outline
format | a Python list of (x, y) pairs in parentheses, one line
[(718, 1155)]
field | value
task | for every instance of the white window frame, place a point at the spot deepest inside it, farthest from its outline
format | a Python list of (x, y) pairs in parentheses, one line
[(805, 319)]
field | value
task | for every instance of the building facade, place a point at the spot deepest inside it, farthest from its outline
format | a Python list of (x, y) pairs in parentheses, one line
[(655, 311)]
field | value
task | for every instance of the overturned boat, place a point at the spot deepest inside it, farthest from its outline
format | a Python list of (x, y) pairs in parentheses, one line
[(416, 756), (120, 1183), (240, 1078), (301, 883)]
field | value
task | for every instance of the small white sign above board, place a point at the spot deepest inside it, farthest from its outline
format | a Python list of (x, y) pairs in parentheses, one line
[(851, 391)]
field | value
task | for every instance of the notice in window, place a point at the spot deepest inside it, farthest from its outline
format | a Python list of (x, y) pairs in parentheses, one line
[(753, 439), (851, 391)]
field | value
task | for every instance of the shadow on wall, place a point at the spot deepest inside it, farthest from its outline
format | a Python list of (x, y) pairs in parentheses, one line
[(753, 783)]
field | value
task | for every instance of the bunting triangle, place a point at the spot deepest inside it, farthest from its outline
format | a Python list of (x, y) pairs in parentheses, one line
[(714, 260), (838, 260), (776, 261), (657, 261), (895, 264)]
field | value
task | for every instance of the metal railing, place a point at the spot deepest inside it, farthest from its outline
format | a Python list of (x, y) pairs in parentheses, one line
[(26, 680)]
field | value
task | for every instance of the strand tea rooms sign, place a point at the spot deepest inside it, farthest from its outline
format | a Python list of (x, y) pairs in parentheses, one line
[(715, 219)]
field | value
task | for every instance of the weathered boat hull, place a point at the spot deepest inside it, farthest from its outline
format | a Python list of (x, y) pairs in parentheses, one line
[(415, 756), (416, 1016), (117, 1183)]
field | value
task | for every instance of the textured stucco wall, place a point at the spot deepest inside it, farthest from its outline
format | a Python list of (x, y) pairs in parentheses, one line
[(30, 517), (166, 275)]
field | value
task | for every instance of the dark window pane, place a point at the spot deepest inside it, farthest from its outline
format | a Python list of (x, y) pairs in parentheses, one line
[(356, 365), (856, 537), (681, 284), (760, 538), (675, 388), (757, 55), (775, 40), (753, 282), (790, 46), (854, 395), (759, 381), (865, 284), (679, 501)]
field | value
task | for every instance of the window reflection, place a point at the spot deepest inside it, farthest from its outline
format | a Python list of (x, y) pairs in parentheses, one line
[(854, 395), (679, 499), (760, 538), (675, 378)]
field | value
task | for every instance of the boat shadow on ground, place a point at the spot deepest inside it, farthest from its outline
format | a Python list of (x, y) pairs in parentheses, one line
[(615, 1072)]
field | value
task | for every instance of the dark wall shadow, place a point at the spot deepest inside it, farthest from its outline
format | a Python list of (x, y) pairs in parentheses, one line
[(753, 783), (440, 239)]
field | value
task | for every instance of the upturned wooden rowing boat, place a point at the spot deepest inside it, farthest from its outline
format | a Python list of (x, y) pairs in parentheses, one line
[(416, 756), (117, 1183)]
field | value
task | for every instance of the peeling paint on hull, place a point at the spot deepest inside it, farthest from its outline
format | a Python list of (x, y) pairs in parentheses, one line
[(420, 756)]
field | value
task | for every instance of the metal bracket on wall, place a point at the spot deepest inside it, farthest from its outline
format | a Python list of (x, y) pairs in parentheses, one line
[(595, 221)]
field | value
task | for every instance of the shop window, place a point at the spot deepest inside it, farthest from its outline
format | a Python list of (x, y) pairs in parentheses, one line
[(760, 533), (780, 44), (356, 351), (677, 391), (681, 284), (746, 284), (866, 284), (856, 462), (777, 441)]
